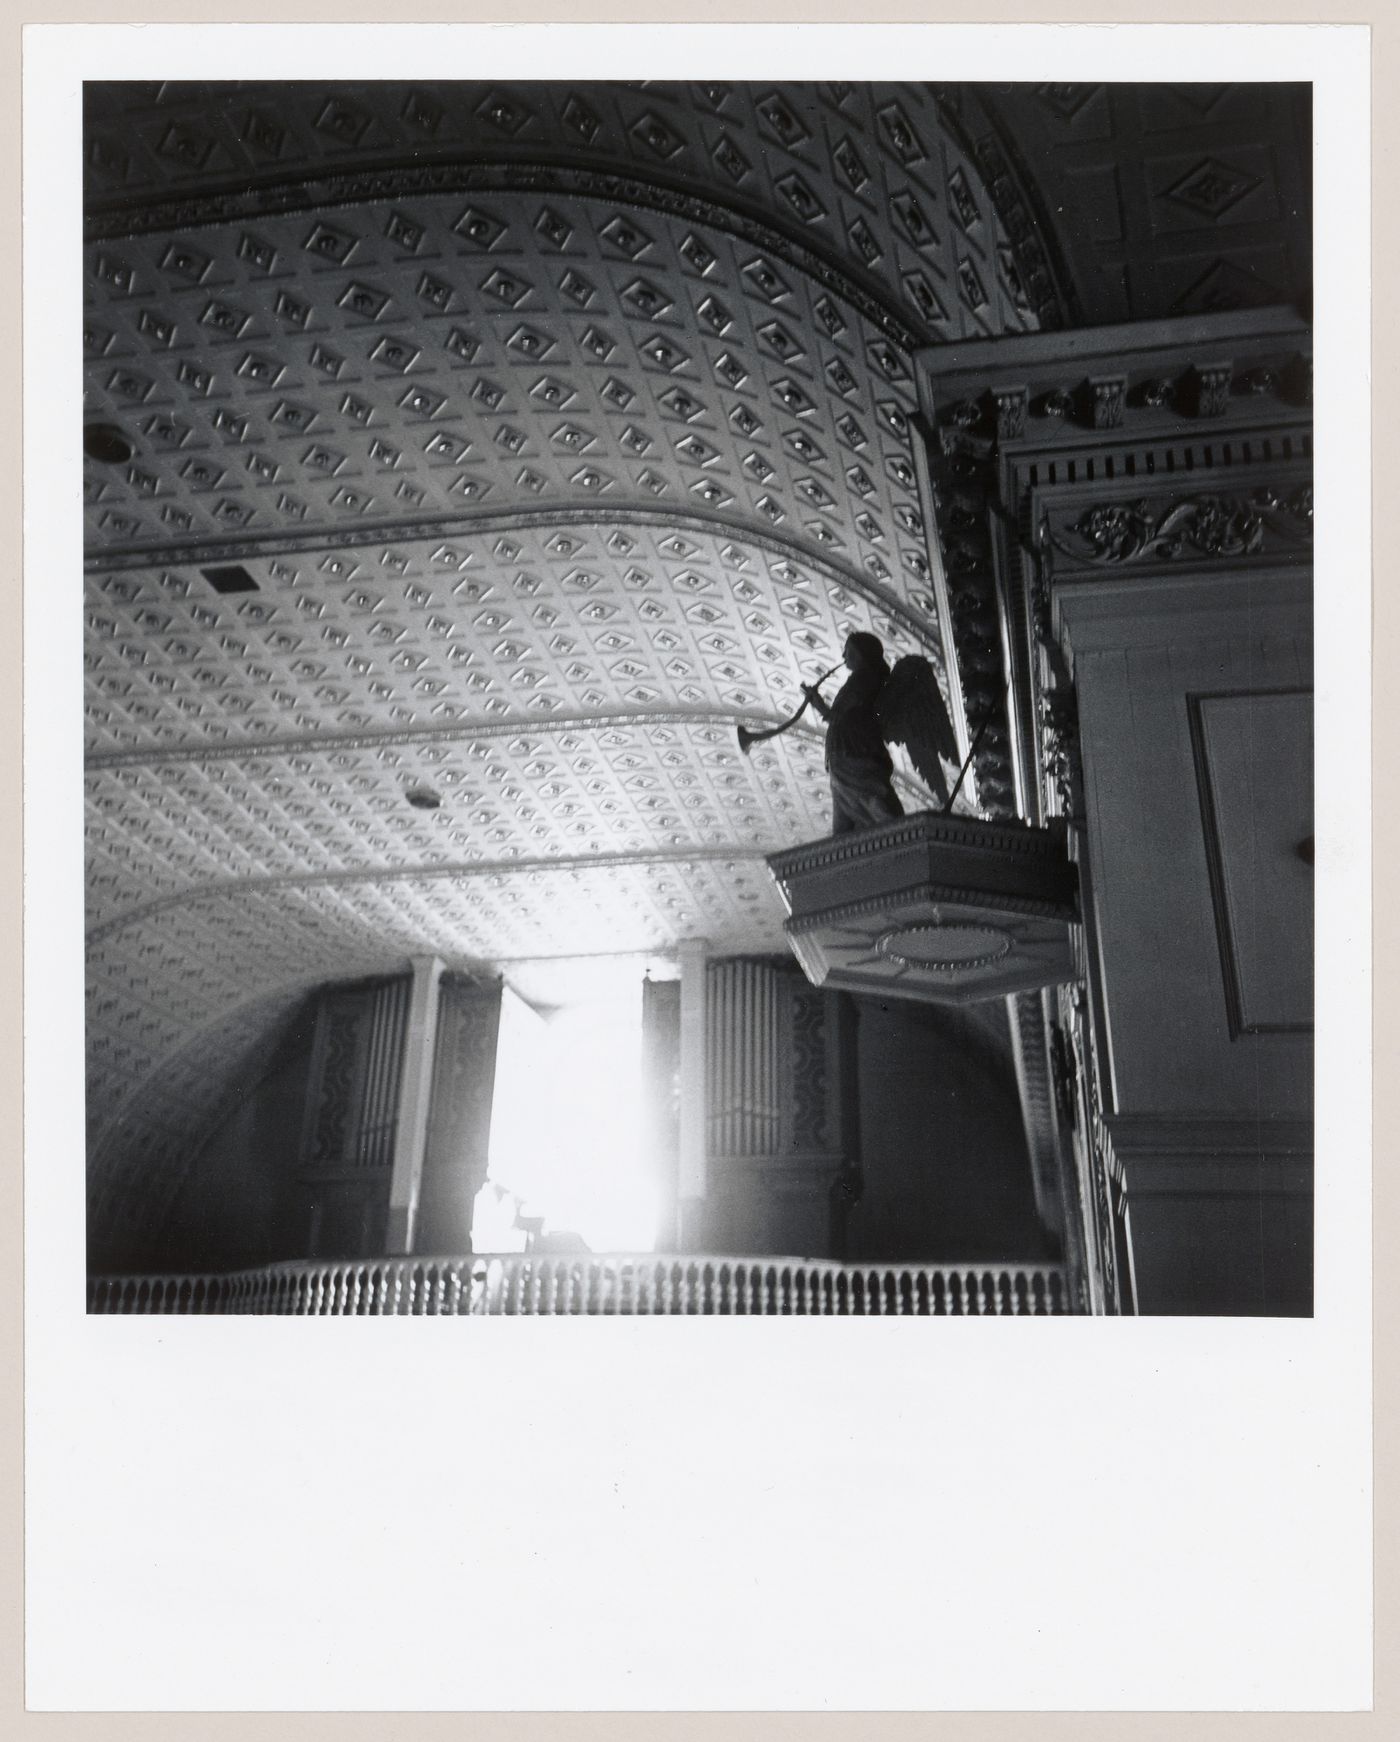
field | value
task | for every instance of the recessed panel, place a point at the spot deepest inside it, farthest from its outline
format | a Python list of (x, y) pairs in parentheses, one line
[(1254, 757)]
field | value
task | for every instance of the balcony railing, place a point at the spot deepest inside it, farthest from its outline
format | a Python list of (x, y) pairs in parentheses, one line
[(606, 1283)]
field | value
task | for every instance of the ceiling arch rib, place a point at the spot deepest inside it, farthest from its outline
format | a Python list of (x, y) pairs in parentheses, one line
[(507, 726), (460, 872)]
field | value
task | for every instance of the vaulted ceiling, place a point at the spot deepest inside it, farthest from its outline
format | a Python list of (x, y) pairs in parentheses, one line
[(543, 434)]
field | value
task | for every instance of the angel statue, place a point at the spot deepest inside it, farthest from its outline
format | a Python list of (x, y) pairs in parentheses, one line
[(874, 708)]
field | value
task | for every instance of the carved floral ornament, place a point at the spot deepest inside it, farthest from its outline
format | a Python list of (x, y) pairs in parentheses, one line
[(1059, 738), (1217, 525)]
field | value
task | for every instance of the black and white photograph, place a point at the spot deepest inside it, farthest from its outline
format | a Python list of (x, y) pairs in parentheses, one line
[(697, 673), (698, 697)]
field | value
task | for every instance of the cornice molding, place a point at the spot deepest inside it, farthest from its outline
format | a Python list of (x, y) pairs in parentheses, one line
[(1148, 343), (1002, 835)]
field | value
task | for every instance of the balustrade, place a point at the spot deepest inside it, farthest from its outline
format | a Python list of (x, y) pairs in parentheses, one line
[(517, 1284)]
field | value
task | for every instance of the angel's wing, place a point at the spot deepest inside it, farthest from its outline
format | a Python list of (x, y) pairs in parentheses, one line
[(912, 713)]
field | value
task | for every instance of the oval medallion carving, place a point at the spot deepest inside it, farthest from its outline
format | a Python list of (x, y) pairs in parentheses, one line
[(944, 949)]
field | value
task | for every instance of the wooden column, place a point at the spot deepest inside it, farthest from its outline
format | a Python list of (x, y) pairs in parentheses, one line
[(661, 1013), (693, 1121), (459, 1123), (411, 1129), (843, 1054)]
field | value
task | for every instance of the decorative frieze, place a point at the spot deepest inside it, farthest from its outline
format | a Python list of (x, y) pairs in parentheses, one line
[(1262, 523)]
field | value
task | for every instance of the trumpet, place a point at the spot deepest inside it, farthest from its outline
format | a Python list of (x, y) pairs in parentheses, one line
[(748, 739)]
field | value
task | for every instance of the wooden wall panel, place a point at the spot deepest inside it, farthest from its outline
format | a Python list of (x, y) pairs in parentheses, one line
[(1174, 1044), (1254, 765)]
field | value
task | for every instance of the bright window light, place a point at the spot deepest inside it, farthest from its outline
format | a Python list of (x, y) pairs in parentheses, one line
[(566, 1151)]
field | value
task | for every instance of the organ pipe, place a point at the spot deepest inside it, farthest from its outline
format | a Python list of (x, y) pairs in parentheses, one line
[(742, 1018)]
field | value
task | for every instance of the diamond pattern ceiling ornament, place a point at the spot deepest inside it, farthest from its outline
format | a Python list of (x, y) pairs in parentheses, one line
[(1148, 184), (779, 155), (293, 405), (1212, 188), (555, 431)]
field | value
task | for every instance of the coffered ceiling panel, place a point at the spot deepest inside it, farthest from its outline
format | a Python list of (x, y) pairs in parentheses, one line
[(536, 624), (1163, 199), (664, 791), (464, 463), (284, 400), (859, 180)]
